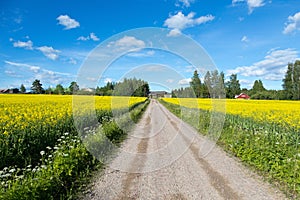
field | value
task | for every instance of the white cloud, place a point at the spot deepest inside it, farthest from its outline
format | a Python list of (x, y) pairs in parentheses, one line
[(241, 19), (170, 80), (36, 72), (293, 24), (21, 64), (72, 61), (35, 69), (174, 32), (141, 54), (92, 36), (234, 2), (82, 38), (252, 4), (49, 52), (127, 42), (20, 44), (107, 80), (244, 39), (190, 68), (246, 83), (68, 22), (91, 79), (185, 81), (154, 68), (9, 72), (272, 67), (150, 53), (185, 3), (179, 22)]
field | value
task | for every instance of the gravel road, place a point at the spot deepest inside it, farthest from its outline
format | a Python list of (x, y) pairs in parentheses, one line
[(160, 160)]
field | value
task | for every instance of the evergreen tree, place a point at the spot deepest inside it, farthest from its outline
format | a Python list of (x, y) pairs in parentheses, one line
[(291, 81), (22, 88), (258, 86), (37, 87), (132, 87), (196, 85), (207, 87), (233, 86), (74, 87)]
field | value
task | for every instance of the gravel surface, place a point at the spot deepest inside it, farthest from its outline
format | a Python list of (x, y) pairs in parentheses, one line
[(161, 160)]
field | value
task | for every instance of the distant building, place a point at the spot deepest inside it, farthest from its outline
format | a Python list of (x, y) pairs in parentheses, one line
[(159, 94), (4, 91), (242, 96), (10, 91)]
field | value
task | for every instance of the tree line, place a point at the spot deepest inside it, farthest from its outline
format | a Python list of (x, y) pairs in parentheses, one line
[(128, 87), (214, 86)]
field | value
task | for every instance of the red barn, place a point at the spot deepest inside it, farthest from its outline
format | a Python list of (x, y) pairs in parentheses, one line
[(242, 96)]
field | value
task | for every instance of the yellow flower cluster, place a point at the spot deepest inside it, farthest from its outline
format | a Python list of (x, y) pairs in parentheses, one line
[(285, 113), (21, 111)]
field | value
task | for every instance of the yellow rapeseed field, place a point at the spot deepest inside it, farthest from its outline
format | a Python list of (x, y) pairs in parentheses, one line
[(285, 113), (21, 111)]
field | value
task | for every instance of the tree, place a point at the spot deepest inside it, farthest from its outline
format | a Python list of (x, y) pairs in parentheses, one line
[(49, 90), (291, 81), (196, 85), (22, 88), (233, 86), (221, 86), (258, 86), (37, 87), (59, 89), (207, 86), (131, 87), (74, 87)]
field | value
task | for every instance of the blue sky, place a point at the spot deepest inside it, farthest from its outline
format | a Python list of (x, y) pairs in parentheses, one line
[(51, 40)]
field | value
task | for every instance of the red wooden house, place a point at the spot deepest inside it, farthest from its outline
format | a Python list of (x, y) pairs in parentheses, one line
[(242, 96)]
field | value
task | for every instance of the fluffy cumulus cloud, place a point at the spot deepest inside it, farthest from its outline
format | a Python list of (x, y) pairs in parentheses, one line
[(25, 45), (129, 43), (92, 36), (180, 22), (67, 22), (252, 4), (293, 24), (272, 67), (49, 52)]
